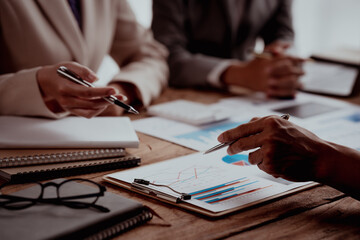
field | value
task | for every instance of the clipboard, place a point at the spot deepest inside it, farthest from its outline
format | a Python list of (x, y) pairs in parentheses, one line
[(202, 211), (246, 188)]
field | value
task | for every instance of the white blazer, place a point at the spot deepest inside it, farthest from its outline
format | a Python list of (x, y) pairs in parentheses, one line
[(34, 33)]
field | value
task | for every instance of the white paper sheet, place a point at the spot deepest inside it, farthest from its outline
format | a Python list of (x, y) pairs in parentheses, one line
[(216, 181), (306, 110), (194, 137), (69, 132)]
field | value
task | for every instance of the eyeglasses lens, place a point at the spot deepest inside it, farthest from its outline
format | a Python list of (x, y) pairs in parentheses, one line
[(32, 192), (87, 192)]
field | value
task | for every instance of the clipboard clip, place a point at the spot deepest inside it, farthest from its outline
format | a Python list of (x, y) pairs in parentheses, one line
[(140, 184)]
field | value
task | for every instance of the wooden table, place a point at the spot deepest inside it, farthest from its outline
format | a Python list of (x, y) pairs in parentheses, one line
[(318, 213)]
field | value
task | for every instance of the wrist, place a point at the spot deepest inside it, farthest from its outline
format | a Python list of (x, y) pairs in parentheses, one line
[(40, 78), (49, 101), (326, 164), (233, 75)]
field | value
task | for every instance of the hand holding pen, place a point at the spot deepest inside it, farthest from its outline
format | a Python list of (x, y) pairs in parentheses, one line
[(232, 136), (70, 75), (61, 96), (284, 149)]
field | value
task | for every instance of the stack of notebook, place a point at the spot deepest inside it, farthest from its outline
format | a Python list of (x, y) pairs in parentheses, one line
[(49, 221), (35, 148)]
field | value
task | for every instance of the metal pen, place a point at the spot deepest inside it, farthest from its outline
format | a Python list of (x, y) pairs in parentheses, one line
[(70, 75), (222, 145)]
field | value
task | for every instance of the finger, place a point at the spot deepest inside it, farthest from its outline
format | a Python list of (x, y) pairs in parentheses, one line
[(277, 47), (112, 110), (285, 68), (74, 102), (261, 166), (256, 157), (254, 119), (281, 93), (285, 82), (241, 131), (246, 143), (75, 90), (268, 163), (84, 72), (283, 87), (295, 60)]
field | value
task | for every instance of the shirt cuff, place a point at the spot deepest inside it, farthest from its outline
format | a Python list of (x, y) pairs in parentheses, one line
[(213, 77)]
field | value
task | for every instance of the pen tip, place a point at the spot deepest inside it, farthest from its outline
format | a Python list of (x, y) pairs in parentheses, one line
[(132, 110)]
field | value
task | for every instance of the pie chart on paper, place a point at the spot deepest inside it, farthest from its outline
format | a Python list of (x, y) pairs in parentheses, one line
[(237, 159)]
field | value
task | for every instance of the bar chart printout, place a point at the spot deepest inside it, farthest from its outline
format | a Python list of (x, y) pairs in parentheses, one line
[(214, 184), (206, 136), (199, 138), (224, 195)]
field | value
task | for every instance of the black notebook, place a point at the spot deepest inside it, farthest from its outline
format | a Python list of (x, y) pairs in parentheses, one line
[(49, 171), (47, 221)]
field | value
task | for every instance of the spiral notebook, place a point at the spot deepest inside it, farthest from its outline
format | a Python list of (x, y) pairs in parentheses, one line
[(22, 157), (48, 171), (46, 221)]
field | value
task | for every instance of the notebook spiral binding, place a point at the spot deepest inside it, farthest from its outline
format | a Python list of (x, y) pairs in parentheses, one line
[(78, 169), (123, 226), (60, 157)]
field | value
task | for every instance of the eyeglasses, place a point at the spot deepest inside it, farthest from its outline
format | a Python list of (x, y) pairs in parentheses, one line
[(68, 193)]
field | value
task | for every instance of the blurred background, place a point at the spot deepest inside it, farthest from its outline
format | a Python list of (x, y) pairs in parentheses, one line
[(319, 24)]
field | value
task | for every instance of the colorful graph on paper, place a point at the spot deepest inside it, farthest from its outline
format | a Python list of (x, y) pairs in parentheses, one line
[(199, 138), (237, 159), (207, 136), (217, 182), (222, 192), (212, 187)]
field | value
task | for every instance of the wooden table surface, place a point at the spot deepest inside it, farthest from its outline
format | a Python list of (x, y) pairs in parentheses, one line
[(318, 213)]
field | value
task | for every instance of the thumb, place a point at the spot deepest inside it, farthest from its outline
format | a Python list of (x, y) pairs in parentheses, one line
[(278, 48)]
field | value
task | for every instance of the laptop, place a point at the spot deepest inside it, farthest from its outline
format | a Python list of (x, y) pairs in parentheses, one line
[(329, 77)]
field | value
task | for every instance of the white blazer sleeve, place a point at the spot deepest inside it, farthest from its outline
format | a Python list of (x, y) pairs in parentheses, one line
[(20, 95)]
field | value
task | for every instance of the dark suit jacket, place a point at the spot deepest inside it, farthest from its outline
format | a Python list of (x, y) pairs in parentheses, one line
[(201, 33)]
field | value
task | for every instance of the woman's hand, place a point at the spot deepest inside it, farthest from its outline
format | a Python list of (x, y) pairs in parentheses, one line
[(284, 149), (61, 95)]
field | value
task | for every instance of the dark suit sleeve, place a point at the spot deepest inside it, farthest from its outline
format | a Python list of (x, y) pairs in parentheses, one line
[(279, 27), (186, 69)]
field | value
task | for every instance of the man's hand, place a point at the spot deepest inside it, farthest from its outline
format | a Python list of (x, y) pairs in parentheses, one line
[(277, 76), (284, 149)]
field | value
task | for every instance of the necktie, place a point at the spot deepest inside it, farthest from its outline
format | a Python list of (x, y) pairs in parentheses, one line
[(76, 9)]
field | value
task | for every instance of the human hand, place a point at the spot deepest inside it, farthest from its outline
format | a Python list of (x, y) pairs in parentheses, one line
[(278, 47), (61, 95), (283, 79), (286, 70), (284, 149), (277, 77)]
